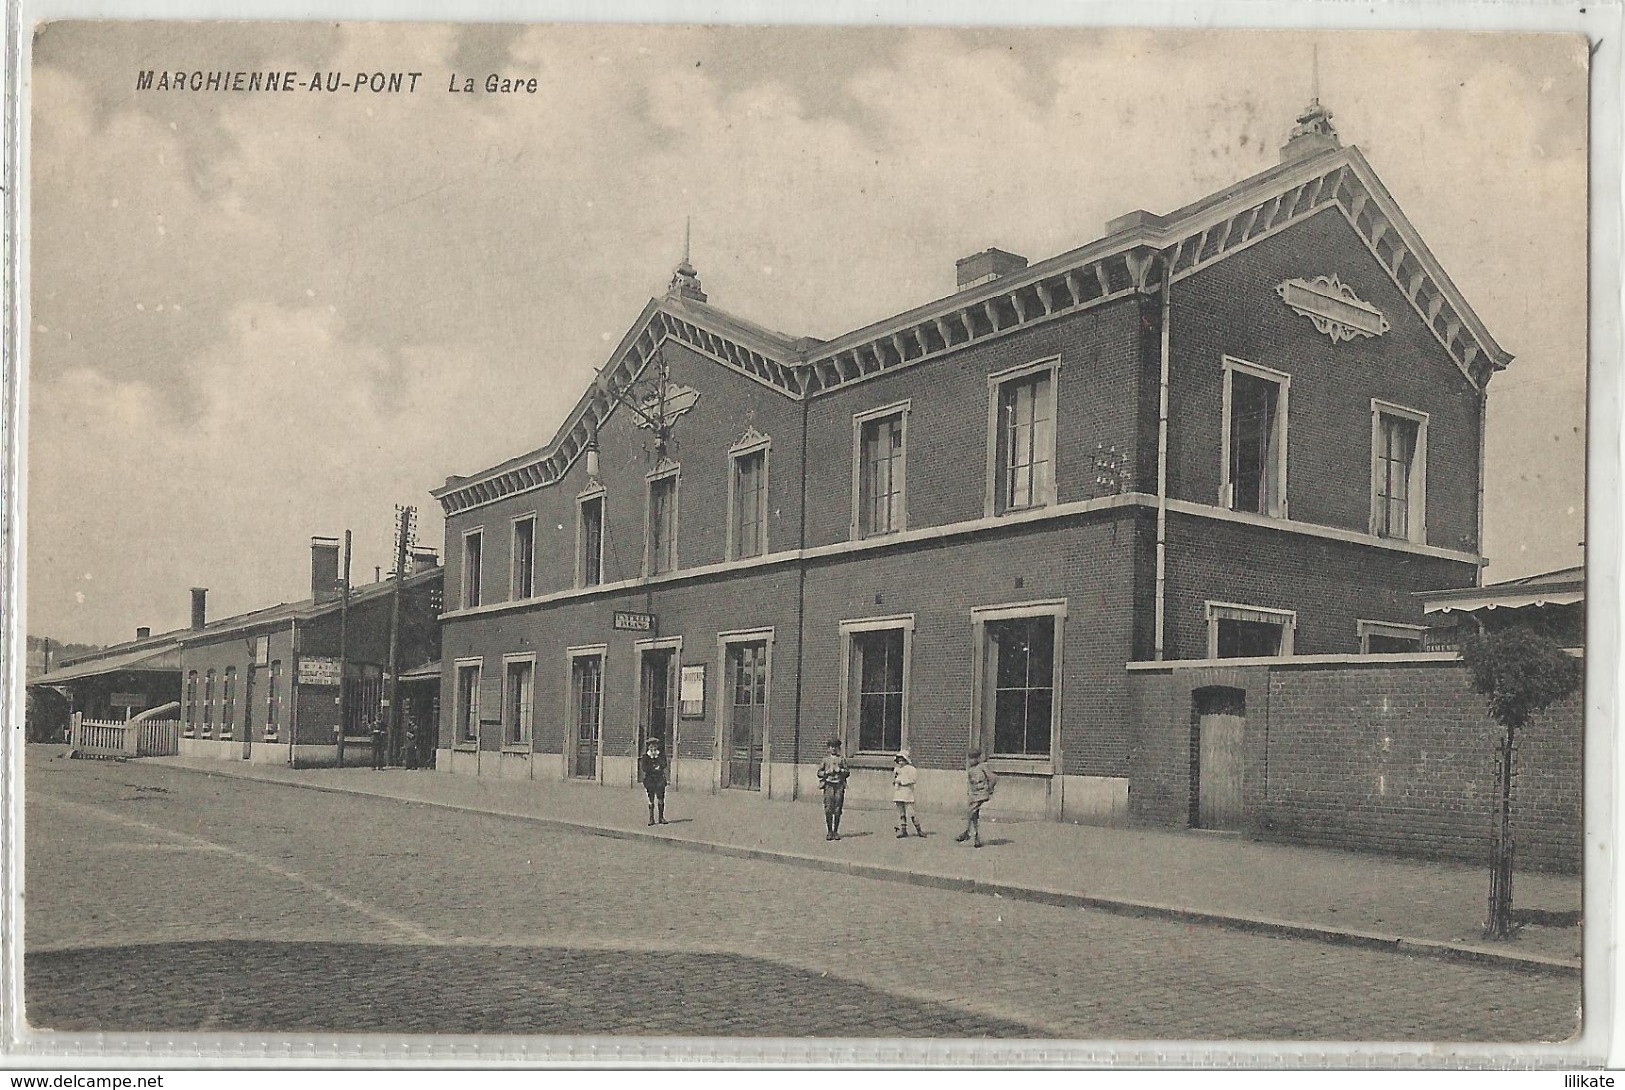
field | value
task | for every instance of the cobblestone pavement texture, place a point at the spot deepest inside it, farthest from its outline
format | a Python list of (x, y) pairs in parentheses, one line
[(294, 910), (1226, 874)]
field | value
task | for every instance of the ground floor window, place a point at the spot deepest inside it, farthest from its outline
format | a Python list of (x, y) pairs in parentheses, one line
[(1387, 638), (1018, 670), (1248, 632), (875, 670), (467, 707), (518, 697)]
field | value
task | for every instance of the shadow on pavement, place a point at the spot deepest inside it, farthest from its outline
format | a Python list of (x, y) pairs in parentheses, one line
[(293, 987)]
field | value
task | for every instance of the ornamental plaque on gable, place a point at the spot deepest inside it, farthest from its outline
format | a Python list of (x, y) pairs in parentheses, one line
[(1333, 307)]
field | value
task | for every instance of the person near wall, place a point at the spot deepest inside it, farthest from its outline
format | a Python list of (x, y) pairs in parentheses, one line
[(832, 775), (379, 736), (652, 767), (981, 781), (903, 778)]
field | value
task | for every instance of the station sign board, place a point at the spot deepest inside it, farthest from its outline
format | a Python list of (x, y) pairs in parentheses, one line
[(634, 622)]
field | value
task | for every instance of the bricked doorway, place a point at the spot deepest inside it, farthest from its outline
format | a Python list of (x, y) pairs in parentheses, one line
[(746, 709), (1218, 725)]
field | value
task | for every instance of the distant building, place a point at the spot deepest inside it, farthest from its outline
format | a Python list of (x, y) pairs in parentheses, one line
[(263, 685), (1552, 602), (1251, 428)]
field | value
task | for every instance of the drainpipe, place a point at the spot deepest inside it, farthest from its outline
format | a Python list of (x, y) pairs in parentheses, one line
[(1162, 459), (1483, 420), (801, 603)]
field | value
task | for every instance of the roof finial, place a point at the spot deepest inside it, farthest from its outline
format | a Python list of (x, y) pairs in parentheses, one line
[(685, 282), (1313, 133)]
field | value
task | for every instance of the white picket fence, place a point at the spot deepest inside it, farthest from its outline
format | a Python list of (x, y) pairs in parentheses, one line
[(143, 738)]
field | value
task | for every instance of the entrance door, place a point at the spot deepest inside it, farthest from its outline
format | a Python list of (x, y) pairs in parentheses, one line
[(587, 684), (656, 718), (747, 715), (1221, 721)]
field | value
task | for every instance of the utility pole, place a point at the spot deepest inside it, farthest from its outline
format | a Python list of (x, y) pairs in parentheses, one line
[(405, 524), (344, 649)]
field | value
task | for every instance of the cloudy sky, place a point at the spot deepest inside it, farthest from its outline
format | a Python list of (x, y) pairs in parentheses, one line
[(255, 318)]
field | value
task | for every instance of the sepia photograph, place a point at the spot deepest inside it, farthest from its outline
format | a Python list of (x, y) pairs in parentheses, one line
[(534, 536)]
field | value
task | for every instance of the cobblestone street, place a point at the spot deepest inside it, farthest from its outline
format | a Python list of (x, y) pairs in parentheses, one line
[(160, 900)]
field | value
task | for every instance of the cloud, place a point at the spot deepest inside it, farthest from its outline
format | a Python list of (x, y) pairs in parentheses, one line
[(287, 313)]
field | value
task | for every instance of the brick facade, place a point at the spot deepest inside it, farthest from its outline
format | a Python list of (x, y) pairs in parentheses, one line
[(1396, 755), (1088, 556)]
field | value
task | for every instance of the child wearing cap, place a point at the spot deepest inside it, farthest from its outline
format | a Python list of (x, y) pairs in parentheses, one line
[(652, 766), (981, 781), (832, 774), (903, 778)]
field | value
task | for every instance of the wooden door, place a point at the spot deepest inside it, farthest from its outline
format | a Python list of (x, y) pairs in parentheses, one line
[(588, 687), (248, 713), (747, 715), (1221, 724)]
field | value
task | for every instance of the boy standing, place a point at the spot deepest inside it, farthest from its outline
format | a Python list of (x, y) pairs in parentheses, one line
[(832, 774), (652, 767), (981, 781), (903, 778)]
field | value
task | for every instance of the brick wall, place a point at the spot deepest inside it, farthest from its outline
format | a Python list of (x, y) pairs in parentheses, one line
[(1330, 584), (1231, 308), (1098, 402), (728, 404), (1395, 756)]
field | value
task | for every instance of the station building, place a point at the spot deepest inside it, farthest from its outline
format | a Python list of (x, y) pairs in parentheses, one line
[(1251, 428)]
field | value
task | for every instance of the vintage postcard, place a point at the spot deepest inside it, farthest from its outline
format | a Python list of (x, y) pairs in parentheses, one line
[(739, 542)]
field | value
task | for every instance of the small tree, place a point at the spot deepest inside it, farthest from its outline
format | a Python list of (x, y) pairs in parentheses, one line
[(1521, 672)]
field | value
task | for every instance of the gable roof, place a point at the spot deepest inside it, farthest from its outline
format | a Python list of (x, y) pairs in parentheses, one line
[(1138, 251)]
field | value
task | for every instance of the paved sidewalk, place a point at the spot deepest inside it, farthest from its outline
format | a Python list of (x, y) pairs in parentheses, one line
[(1229, 880)]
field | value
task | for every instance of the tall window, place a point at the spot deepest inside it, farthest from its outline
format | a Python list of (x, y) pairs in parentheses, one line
[(877, 666), (1247, 632), (1023, 439), (1255, 409), (468, 702), (228, 703), (662, 540), (1019, 686), (880, 466), (1398, 472), (524, 557), (748, 530), (191, 701), (273, 699), (473, 567), (591, 538), (208, 703), (518, 698)]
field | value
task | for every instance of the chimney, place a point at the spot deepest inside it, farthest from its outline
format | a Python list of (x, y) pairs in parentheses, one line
[(143, 632), (423, 560), (198, 594), (990, 264), (324, 569)]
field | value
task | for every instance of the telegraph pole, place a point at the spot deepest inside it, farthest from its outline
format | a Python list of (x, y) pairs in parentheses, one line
[(344, 637), (405, 523)]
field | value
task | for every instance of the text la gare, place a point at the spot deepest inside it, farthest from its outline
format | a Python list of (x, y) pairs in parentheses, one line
[(493, 84)]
